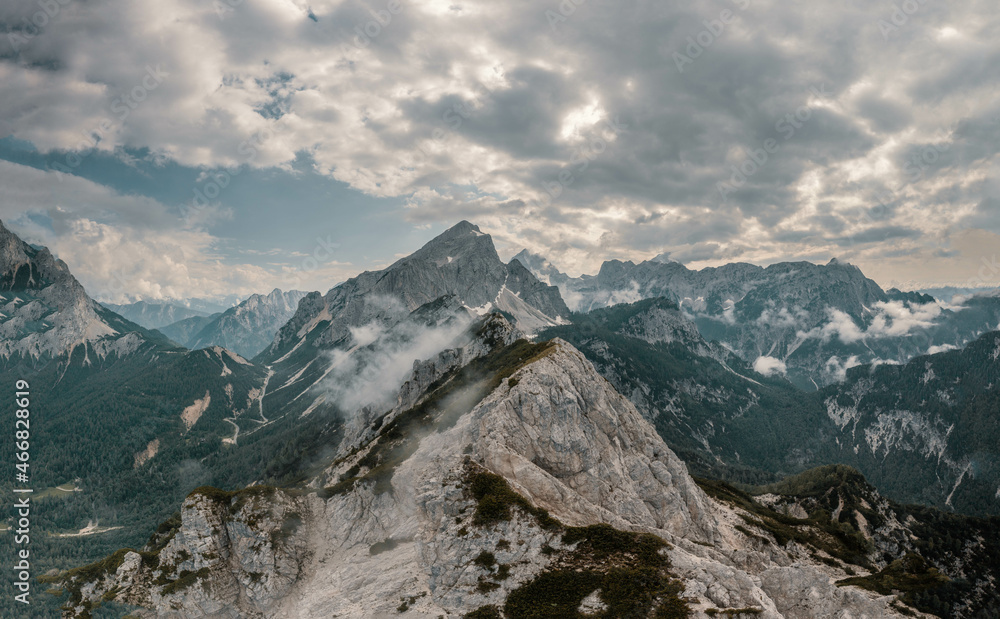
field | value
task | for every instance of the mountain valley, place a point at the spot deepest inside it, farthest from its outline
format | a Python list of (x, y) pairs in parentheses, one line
[(447, 437)]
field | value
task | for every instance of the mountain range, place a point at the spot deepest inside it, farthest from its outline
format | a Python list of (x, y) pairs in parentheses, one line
[(249, 327), (809, 322), (153, 315), (446, 437), (246, 328)]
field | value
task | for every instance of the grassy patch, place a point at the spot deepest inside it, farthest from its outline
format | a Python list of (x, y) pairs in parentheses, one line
[(604, 543), (838, 539), (628, 569), (185, 580), (486, 612), (485, 560), (57, 492), (908, 575), (495, 499), (552, 595)]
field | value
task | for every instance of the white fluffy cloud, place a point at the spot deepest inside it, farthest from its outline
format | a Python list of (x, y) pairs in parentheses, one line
[(933, 350), (837, 368), (372, 376), (124, 247), (769, 366), (890, 319)]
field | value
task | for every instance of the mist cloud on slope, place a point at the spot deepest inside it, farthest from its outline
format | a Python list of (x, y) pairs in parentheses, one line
[(892, 319), (769, 366), (371, 372)]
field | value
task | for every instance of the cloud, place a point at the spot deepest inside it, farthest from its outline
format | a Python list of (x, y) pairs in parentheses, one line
[(896, 318), (580, 302), (127, 247), (837, 368), (933, 350), (889, 319), (842, 325), (380, 359), (783, 318), (479, 112), (769, 366)]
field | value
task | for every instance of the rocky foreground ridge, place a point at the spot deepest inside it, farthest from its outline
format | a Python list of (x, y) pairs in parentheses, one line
[(509, 480)]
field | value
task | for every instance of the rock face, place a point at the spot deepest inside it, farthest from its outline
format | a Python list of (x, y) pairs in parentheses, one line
[(574, 446), (720, 416), (46, 314), (249, 327), (927, 430), (405, 529), (352, 347), (924, 432), (461, 262)]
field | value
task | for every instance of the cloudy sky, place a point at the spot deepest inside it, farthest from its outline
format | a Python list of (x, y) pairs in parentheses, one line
[(194, 148)]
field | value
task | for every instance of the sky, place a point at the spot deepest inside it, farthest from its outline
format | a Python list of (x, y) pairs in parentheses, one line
[(193, 148)]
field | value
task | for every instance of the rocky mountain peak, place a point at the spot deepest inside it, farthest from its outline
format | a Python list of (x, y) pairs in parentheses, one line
[(462, 262), (24, 267), (249, 327), (461, 229), (463, 240), (45, 312), (612, 269), (541, 267)]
